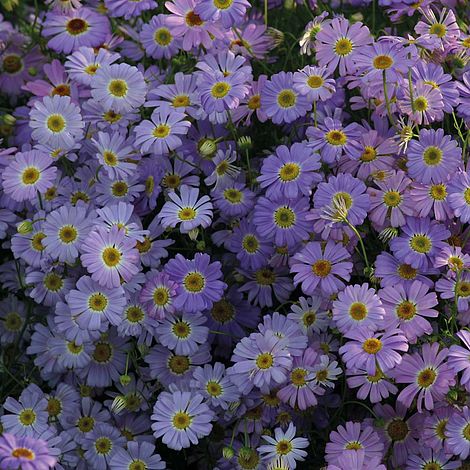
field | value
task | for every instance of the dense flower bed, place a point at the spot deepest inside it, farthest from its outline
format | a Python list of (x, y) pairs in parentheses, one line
[(234, 235)]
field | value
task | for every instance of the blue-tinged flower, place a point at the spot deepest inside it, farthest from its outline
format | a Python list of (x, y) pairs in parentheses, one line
[(459, 195), (314, 83), (137, 453), (199, 282), (49, 287), (128, 9), (157, 38), (158, 294), (12, 318), (181, 419), (228, 12), (235, 200)]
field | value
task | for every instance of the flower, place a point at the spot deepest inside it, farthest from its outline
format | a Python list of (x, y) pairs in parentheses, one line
[(56, 121), (157, 38), (290, 171), (137, 453), (181, 419), (433, 157), (119, 87), (459, 196), (199, 284), (26, 453), (163, 133), (29, 173), (129, 8), (424, 104), (110, 256), (458, 433), (280, 101), (157, 295), (458, 358), (357, 305), (229, 12), (314, 83), (186, 210), (428, 376), (326, 267), (285, 445)]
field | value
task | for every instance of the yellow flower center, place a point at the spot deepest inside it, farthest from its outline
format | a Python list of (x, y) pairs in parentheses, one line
[(97, 302), (161, 296), (137, 465), (406, 310), (315, 81), (283, 447), (286, 98), (13, 322), (462, 288), (187, 213), (23, 453), (178, 364), (254, 102), (438, 29), (264, 361), (91, 69), (119, 188), (353, 445), (466, 196), (36, 241), (265, 277), (68, 234), (103, 445), (432, 156), (420, 243), (234, 196), (455, 263), (86, 424), (134, 314), (55, 123), (405, 271), (171, 181), (12, 64), (466, 432), (297, 377), (392, 198), (103, 352), (397, 430), (289, 172), (343, 47), (181, 420), (321, 268), (369, 154), (421, 104), (193, 19), (383, 62), (118, 87), (336, 137), (284, 217), (194, 282), (358, 311), (27, 417), (222, 311), (163, 36), (181, 101), (426, 377), (181, 329), (372, 345), (220, 89), (213, 388), (111, 116), (309, 318), (30, 175), (223, 4), (438, 192), (54, 407), (61, 90), (250, 244), (110, 158), (76, 26), (161, 131), (53, 282), (111, 256), (73, 348)]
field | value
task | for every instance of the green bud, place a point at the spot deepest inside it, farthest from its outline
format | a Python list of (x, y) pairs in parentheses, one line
[(201, 245), (357, 17), (125, 379), (289, 4), (245, 143), (245, 452), (228, 452), (25, 227), (453, 395), (143, 349), (193, 234), (33, 71), (119, 404), (208, 148), (9, 120)]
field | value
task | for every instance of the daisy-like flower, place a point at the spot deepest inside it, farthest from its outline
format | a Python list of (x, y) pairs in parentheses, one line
[(110, 256), (424, 105), (163, 133), (220, 92), (157, 295), (332, 139), (373, 350), (290, 171), (199, 284), (186, 210), (420, 242), (326, 267), (458, 358), (185, 23), (28, 414), (93, 306), (181, 419), (260, 360), (307, 41), (114, 153), (212, 382), (391, 202), (451, 288), (285, 445), (280, 101), (76, 28), (26, 453), (229, 12), (183, 333), (433, 157), (355, 437), (458, 433), (157, 38), (453, 259), (56, 122), (459, 195), (119, 87), (282, 220), (338, 44), (314, 83), (428, 375), (82, 65), (356, 306), (65, 229), (310, 314), (375, 388), (405, 307), (12, 317), (346, 192), (429, 458), (445, 26), (128, 9), (137, 454), (29, 173)]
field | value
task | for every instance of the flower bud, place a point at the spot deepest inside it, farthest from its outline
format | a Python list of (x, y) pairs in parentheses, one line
[(125, 379), (9, 120), (201, 245), (208, 148), (245, 452), (119, 404), (25, 227), (228, 452), (33, 71), (193, 234), (245, 142)]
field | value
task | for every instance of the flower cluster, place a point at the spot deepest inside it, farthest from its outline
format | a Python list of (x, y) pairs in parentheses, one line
[(235, 235)]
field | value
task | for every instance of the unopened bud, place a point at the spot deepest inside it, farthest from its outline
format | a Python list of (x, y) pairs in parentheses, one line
[(201, 245), (245, 452), (357, 17), (125, 379), (289, 4), (208, 148), (388, 234), (245, 142), (33, 71), (9, 120), (228, 452), (193, 234), (25, 227), (119, 404)]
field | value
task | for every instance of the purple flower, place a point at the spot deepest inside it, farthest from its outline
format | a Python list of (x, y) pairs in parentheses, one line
[(199, 284), (290, 171), (229, 12), (26, 175), (326, 267), (280, 101), (376, 387), (458, 433), (137, 453), (129, 8), (431, 197), (421, 241), (373, 351), (157, 295), (356, 306), (424, 105), (405, 307), (314, 83), (459, 195), (181, 419), (428, 376), (25, 453), (110, 256), (458, 358), (157, 38)]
